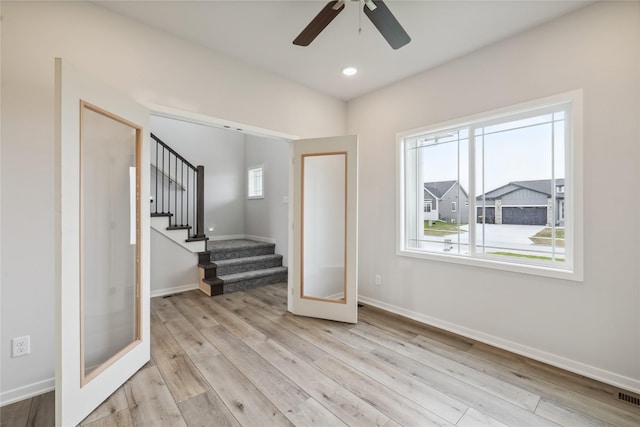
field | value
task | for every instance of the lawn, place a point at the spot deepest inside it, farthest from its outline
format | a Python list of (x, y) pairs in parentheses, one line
[(441, 228), (544, 258)]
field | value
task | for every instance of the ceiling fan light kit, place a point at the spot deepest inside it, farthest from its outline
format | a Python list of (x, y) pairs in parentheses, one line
[(376, 10)]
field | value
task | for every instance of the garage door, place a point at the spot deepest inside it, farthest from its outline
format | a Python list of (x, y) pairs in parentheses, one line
[(525, 216), (490, 213)]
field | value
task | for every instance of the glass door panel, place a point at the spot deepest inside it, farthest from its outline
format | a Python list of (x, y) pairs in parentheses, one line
[(109, 280), (323, 206)]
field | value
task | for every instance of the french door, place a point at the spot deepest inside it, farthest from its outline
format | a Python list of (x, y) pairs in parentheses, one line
[(102, 237), (325, 228)]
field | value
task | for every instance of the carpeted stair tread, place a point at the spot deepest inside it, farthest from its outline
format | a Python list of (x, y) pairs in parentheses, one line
[(247, 275), (239, 248), (243, 264), (233, 261), (239, 265)]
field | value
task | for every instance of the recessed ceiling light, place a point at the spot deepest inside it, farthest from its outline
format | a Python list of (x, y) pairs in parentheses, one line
[(349, 71)]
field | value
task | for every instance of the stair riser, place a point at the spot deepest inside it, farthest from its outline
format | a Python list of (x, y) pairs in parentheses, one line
[(243, 285), (242, 253), (249, 266)]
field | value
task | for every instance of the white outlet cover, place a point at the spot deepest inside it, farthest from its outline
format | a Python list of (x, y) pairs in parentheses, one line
[(20, 346)]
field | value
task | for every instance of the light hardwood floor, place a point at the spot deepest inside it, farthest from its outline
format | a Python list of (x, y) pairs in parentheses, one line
[(241, 360)]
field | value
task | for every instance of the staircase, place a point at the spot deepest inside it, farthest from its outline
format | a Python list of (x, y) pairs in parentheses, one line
[(177, 189), (239, 264)]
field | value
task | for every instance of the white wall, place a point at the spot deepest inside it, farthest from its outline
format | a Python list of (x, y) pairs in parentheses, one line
[(151, 67), (269, 217), (221, 152), (173, 268), (591, 327)]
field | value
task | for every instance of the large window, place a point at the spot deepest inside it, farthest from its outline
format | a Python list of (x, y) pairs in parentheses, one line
[(504, 185)]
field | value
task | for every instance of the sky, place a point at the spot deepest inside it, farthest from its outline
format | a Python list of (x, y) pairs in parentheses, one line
[(509, 154)]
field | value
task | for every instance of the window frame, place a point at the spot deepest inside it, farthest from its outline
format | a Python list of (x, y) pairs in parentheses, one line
[(573, 270), (249, 170)]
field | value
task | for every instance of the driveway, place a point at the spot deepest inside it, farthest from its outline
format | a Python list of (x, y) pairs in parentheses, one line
[(496, 237)]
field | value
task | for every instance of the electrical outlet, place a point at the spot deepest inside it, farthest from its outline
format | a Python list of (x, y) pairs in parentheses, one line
[(378, 280), (20, 346)]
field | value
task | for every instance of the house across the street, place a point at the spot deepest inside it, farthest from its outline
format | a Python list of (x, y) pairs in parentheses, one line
[(523, 202), (445, 201)]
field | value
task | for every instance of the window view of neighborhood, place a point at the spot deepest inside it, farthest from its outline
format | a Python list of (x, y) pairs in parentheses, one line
[(509, 205)]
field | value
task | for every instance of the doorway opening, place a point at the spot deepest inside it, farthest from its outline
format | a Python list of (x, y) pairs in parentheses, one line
[(227, 151)]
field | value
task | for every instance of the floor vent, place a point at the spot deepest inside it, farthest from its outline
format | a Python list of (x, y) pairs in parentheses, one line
[(625, 397)]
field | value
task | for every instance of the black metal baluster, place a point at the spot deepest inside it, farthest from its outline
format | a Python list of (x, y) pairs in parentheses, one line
[(182, 196), (175, 196), (155, 200), (163, 179), (188, 219), (195, 196)]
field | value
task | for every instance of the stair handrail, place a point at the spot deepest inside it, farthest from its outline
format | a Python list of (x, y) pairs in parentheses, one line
[(179, 212)]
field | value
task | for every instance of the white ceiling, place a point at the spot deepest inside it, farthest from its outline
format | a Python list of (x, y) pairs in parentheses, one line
[(261, 33)]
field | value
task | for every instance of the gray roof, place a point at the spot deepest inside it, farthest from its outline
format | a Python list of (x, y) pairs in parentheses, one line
[(539, 186), (438, 189)]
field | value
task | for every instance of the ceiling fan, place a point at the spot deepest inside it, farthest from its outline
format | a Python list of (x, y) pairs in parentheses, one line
[(376, 11)]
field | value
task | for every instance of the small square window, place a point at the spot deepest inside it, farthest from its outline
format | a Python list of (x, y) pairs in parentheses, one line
[(255, 181)]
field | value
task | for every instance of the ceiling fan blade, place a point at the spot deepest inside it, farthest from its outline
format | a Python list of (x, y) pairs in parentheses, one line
[(319, 23), (387, 24)]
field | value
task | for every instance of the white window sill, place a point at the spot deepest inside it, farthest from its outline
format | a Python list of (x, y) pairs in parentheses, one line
[(496, 264)]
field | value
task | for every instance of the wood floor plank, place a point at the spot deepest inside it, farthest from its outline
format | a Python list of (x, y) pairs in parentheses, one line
[(249, 406), (15, 414), (164, 308), (410, 328), (42, 411), (272, 298), (567, 417), (283, 393), (231, 322), (178, 371), (437, 402), (276, 332), (280, 290), (232, 300), (181, 376), (499, 409), (193, 343), (396, 406), (345, 405), (266, 310), (192, 311), (504, 390), (546, 390), (186, 329), (207, 409), (311, 413), (473, 418), (117, 419), (150, 402), (162, 341), (578, 383), (115, 403)]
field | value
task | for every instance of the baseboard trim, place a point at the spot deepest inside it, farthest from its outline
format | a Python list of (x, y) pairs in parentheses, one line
[(589, 371), (25, 392), (227, 237), (174, 290), (260, 239)]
